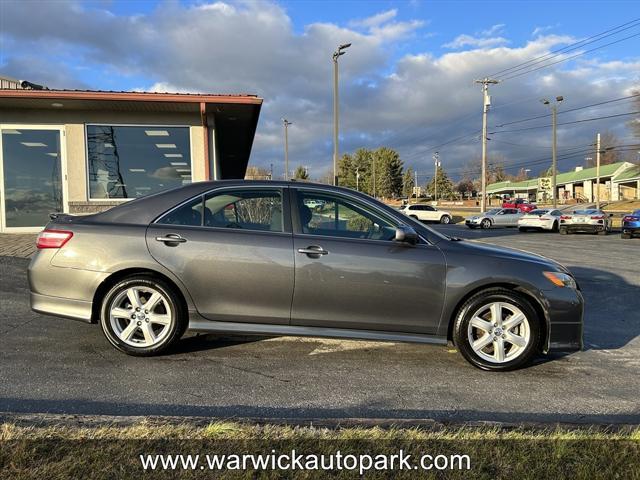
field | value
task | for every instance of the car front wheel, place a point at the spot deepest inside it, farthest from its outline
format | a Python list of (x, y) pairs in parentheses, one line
[(486, 223), (498, 330), (445, 219), (142, 316)]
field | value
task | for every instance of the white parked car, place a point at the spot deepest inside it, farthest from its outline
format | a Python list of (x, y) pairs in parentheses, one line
[(426, 213), (589, 220), (540, 219), (497, 217)]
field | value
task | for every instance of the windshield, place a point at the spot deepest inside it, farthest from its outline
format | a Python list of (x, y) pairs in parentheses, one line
[(494, 211), (587, 212)]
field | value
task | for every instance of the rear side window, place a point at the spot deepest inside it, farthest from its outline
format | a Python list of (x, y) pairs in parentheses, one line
[(189, 214), (251, 209)]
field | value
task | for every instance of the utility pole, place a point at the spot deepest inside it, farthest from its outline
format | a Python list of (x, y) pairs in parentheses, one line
[(415, 185), (486, 102), (271, 171), (336, 55), (286, 124), (373, 168), (597, 172), (435, 178), (357, 179), (554, 145)]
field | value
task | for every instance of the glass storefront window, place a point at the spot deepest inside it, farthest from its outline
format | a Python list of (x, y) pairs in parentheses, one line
[(132, 161), (32, 179)]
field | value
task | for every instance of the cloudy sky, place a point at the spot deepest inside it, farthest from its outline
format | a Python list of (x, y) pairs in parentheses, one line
[(407, 82)]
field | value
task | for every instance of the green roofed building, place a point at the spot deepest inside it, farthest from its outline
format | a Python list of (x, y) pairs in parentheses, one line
[(618, 181)]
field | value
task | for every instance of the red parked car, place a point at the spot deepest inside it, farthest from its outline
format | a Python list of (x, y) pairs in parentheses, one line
[(519, 203)]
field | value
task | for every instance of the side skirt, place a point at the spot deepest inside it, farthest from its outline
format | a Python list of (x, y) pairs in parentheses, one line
[(199, 325)]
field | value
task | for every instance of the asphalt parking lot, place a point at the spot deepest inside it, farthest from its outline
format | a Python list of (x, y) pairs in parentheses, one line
[(61, 366)]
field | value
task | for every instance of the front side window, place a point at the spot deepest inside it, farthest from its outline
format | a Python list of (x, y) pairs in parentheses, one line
[(130, 162), (340, 217)]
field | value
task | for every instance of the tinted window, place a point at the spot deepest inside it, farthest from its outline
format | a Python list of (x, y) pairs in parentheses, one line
[(250, 209), (130, 162), (340, 217), (539, 212)]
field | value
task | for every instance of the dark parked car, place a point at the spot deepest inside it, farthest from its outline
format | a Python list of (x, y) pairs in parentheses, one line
[(631, 224), (255, 258)]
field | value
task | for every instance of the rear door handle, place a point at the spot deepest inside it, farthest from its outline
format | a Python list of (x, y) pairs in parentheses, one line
[(171, 238), (313, 251)]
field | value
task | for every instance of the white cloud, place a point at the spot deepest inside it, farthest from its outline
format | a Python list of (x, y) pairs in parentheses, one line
[(479, 42), (410, 103)]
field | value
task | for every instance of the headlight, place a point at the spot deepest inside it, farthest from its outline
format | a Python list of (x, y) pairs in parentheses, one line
[(560, 279)]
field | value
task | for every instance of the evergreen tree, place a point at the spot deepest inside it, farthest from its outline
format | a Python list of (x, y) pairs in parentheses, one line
[(445, 186), (408, 182), (300, 173)]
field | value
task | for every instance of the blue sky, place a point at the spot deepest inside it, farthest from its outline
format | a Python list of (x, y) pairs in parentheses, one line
[(406, 82)]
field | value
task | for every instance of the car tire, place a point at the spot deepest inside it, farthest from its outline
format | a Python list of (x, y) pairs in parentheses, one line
[(414, 217), (563, 231), (554, 228), (523, 229), (529, 330), (486, 223), (147, 337), (445, 219), (625, 236), (603, 232)]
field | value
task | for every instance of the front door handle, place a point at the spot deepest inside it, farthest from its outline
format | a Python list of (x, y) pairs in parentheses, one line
[(313, 251), (171, 238)]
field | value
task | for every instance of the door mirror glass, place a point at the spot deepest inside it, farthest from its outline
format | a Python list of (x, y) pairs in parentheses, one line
[(406, 234)]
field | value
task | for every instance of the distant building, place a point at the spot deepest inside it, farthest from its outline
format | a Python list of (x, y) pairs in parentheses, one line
[(84, 151), (618, 181)]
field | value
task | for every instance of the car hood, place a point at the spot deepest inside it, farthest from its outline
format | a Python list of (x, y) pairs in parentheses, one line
[(483, 249)]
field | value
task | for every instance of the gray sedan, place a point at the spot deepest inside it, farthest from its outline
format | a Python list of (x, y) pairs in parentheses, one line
[(497, 217), (256, 258)]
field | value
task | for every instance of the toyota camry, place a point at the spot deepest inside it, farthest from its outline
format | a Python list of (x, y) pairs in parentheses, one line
[(291, 258)]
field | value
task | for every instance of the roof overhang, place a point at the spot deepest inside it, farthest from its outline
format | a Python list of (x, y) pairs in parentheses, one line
[(235, 116)]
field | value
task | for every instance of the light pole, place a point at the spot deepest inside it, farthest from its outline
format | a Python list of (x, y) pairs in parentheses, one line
[(340, 51), (554, 144), (436, 161), (286, 124), (357, 179), (526, 173)]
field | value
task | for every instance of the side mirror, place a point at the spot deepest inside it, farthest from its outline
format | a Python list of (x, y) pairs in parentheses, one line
[(406, 234)]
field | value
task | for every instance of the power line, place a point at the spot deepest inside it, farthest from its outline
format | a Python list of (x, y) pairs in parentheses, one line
[(570, 47), (567, 111), (567, 123), (570, 57)]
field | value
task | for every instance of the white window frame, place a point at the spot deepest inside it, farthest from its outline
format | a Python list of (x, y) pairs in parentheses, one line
[(141, 125), (63, 172)]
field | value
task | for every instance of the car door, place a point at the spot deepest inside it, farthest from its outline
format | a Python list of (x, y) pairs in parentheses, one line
[(513, 216), (233, 250), (351, 274)]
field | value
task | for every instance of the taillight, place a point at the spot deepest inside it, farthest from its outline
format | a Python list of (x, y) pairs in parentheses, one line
[(53, 238), (597, 217), (630, 218), (565, 217)]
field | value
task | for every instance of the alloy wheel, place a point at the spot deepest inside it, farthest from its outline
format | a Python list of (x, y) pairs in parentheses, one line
[(140, 316), (499, 332)]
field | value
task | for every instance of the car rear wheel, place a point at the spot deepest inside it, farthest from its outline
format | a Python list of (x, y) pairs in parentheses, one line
[(486, 223), (498, 330), (625, 235), (554, 228), (563, 231), (445, 219), (142, 316)]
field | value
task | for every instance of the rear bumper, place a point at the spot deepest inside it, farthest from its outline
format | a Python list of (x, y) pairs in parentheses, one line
[(631, 229), (61, 307), (587, 227)]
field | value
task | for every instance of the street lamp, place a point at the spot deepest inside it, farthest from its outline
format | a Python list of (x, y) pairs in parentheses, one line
[(340, 51), (554, 162), (286, 124), (526, 173)]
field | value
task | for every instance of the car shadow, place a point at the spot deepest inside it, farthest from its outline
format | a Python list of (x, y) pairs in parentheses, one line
[(210, 341)]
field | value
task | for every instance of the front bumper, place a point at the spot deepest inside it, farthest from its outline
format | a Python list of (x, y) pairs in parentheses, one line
[(565, 310)]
